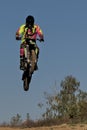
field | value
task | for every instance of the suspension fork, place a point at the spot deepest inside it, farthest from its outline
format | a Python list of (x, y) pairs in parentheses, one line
[(27, 54)]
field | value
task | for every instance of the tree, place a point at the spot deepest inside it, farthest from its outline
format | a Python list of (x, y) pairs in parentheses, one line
[(63, 103), (68, 105), (16, 120), (82, 105)]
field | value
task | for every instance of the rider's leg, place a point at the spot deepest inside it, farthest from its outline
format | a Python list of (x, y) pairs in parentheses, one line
[(22, 56)]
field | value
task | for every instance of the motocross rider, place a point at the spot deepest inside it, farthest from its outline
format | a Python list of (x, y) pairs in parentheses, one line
[(30, 30)]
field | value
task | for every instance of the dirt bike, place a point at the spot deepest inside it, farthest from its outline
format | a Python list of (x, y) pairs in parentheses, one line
[(29, 62)]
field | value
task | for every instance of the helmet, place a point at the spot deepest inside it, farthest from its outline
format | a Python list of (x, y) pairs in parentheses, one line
[(29, 21)]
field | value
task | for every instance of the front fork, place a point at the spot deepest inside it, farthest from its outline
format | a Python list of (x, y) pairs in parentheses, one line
[(27, 53), (26, 57)]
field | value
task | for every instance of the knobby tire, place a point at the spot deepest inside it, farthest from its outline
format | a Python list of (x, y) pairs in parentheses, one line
[(28, 73)]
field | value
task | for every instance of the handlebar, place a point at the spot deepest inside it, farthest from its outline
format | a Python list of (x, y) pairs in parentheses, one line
[(40, 40)]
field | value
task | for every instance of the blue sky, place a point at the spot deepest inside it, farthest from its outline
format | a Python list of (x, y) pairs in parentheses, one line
[(64, 52)]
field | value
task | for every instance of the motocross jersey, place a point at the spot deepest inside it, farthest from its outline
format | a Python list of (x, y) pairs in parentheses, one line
[(32, 33)]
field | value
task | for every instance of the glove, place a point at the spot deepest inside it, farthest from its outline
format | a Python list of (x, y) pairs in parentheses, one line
[(41, 40), (18, 38)]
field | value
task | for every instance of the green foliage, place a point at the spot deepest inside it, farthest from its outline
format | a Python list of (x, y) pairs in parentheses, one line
[(70, 104)]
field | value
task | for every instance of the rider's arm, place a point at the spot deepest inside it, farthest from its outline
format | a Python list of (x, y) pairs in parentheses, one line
[(20, 32), (18, 36), (40, 33)]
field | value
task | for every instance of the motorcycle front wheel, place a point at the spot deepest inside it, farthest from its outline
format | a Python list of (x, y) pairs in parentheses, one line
[(26, 81)]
